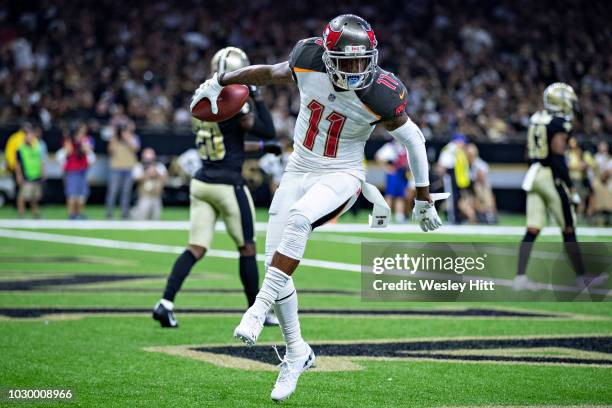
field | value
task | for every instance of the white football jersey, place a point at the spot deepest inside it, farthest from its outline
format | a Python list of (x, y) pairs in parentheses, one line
[(333, 125)]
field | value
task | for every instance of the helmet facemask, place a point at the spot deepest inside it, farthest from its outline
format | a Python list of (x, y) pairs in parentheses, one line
[(351, 69)]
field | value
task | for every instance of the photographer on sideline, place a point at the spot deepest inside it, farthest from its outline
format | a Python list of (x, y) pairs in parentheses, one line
[(150, 176), (76, 156), (122, 149)]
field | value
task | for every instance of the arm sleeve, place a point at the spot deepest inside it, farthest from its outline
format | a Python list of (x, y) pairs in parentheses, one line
[(263, 126), (410, 136), (560, 170)]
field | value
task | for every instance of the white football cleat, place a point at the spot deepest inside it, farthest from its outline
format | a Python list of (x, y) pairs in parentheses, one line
[(522, 283), (249, 328), (290, 371), (271, 319)]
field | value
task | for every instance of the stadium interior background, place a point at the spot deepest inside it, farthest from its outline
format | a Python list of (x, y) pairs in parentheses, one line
[(469, 66)]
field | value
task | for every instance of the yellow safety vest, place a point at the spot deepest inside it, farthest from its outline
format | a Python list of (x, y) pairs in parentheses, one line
[(462, 169)]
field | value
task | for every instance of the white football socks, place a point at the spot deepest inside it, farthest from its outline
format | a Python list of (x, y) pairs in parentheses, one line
[(274, 281), (167, 304), (277, 289), (286, 308)]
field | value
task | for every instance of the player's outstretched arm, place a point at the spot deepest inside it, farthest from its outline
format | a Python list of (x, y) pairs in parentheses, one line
[(251, 75), (258, 75), (404, 130), (409, 134)]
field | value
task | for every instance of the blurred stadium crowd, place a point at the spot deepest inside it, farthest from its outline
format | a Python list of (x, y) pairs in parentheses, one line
[(472, 67)]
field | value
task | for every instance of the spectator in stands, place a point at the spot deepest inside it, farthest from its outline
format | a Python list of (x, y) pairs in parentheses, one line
[(393, 158), (150, 176), (602, 157), (76, 156), (484, 200), (30, 172), (600, 203), (472, 72), (122, 149), (454, 168)]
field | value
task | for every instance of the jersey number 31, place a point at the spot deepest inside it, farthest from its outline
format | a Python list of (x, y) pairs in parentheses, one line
[(336, 123)]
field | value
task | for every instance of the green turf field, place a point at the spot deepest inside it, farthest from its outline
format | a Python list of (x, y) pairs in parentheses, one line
[(97, 212), (75, 313)]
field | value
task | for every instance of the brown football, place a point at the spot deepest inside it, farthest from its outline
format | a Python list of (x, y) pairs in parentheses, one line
[(230, 101)]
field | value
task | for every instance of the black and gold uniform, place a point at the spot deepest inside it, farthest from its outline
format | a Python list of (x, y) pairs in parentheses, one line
[(549, 189), (548, 184), (218, 190)]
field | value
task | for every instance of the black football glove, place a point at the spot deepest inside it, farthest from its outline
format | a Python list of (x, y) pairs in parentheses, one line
[(272, 147)]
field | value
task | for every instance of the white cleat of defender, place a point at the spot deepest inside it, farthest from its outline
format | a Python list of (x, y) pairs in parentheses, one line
[(290, 371), (249, 328), (584, 282), (522, 283)]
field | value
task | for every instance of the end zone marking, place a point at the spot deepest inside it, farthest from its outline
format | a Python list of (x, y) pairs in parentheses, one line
[(588, 350)]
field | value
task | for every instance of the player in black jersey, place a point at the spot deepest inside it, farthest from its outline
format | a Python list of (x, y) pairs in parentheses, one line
[(218, 190), (548, 184)]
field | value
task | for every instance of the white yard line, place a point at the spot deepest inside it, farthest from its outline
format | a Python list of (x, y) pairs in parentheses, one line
[(143, 246), (261, 226)]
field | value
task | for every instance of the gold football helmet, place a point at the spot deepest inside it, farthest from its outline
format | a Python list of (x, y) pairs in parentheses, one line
[(229, 59), (560, 98)]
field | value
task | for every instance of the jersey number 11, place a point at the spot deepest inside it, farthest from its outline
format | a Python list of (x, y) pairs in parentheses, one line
[(336, 123)]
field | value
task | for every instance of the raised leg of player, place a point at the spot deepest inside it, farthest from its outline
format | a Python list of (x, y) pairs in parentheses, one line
[(302, 203)]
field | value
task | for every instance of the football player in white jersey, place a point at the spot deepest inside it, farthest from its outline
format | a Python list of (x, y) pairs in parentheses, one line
[(343, 96)]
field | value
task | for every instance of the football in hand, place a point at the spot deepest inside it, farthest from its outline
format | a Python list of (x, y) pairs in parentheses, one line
[(231, 99)]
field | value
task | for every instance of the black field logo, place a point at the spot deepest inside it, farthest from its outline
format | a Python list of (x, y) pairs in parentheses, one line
[(582, 350)]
